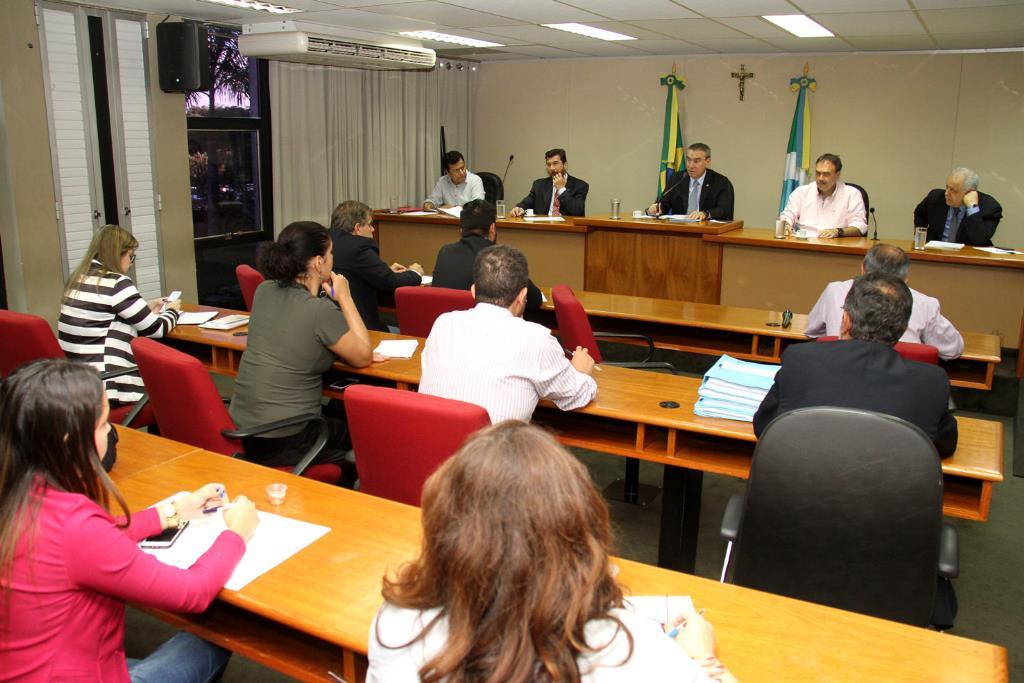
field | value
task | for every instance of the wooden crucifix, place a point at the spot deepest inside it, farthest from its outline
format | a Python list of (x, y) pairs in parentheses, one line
[(743, 75)]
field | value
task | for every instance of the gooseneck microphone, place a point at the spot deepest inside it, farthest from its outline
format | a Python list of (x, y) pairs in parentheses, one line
[(510, 158), (672, 186), (874, 238)]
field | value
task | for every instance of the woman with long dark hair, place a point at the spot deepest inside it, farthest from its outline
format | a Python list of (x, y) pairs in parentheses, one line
[(67, 565), (513, 582), (303, 319)]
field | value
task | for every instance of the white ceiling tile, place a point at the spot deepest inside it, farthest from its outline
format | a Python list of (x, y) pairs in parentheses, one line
[(951, 4), (754, 26), (670, 47), (872, 23), (739, 8), (603, 48), (841, 6), (540, 51), (975, 20), (529, 33), (440, 13), (690, 29), (355, 3), (633, 9), (532, 11), (626, 29), (480, 35), (366, 21), (735, 45), (979, 41), (794, 44), (893, 42)]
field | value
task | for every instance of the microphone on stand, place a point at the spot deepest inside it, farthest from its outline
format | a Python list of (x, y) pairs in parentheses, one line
[(874, 238), (672, 186), (510, 158)]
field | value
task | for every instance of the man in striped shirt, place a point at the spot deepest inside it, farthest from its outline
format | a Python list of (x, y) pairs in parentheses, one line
[(490, 356)]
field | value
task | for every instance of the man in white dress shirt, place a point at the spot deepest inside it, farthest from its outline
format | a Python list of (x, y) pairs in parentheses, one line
[(493, 358), (927, 324), (457, 186), (827, 207)]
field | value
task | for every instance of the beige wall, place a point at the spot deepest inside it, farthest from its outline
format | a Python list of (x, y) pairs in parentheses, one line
[(28, 224), (900, 122)]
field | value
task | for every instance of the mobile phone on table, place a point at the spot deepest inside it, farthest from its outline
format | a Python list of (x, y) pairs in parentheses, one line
[(163, 540), (173, 296), (344, 383)]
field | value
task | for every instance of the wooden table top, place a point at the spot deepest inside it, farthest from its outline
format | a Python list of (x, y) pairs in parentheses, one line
[(763, 237), (331, 589), (575, 223), (144, 451)]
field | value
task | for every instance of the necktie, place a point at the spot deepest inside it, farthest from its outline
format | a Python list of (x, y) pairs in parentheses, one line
[(954, 223), (556, 206), (694, 200)]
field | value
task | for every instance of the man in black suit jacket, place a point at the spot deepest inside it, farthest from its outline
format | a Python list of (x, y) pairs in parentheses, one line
[(571, 191), (715, 201), (454, 265), (959, 213), (357, 257), (862, 370)]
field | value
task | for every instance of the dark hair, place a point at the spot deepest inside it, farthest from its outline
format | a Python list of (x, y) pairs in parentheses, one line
[(477, 216), (451, 158), (833, 159), (886, 258), (700, 147), (499, 274), (288, 257), (556, 152), (350, 213), (516, 540), (879, 308), (49, 410)]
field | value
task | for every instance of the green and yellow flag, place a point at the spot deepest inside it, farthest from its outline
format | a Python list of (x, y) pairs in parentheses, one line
[(672, 150)]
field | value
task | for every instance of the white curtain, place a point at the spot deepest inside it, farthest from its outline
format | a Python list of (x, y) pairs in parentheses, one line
[(369, 135)]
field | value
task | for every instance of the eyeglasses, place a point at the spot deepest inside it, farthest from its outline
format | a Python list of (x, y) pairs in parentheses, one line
[(131, 257)]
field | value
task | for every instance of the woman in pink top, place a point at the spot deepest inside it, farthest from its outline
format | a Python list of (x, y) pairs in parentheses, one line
[(67, 566)]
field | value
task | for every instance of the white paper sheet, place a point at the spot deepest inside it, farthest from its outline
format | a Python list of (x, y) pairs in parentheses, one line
[(397, 348), (276, 539), (997, 250), (543, 219), (453, 211), (427, 279), (195, 317), (939, 244), (417, 213), (660, 608)]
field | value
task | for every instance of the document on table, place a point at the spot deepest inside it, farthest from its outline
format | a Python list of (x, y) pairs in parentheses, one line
[(195, 317), (418, 213), (426, 280), (397, 348), (999, 250), (453, 211), (659, 608), (543, 219), (680, 218), (939, 244), (276, 539)]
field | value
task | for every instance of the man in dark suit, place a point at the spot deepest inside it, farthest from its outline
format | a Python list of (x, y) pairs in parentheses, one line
[(708, 195), (959, 213), (557, 195), (862, 370), (357, 257), (454, 265)]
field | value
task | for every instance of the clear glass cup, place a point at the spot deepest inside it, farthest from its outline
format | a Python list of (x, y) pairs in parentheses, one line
[(276, 493), (616, 203), (920, 238), (500, 206)]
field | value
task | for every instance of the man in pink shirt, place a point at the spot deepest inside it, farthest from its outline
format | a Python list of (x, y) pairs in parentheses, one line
[(927, 324), (828, 207)]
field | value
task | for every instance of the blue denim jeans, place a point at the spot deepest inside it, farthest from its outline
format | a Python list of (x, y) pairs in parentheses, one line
[(182, 659)]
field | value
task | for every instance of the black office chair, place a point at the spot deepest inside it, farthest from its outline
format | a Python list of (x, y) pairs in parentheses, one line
[(864, 196), (493, 187), (844, 508)]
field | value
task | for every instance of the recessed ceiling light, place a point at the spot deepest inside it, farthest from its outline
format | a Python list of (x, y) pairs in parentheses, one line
[(448, 38), (590, 31), (255, 5), (800, 25)]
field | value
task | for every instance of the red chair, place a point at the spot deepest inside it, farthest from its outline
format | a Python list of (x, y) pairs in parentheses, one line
[(418, 307), (923, 353), (25, 338), (189, 409), (575, 330), (401, 437), (248, 280)]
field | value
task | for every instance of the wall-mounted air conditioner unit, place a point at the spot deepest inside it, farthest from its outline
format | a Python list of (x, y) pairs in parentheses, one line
[(282, 41)]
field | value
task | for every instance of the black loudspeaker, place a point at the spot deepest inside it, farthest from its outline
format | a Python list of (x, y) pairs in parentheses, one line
[(183, 59)]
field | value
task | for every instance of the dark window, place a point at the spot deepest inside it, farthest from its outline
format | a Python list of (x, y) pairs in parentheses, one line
[(229, 167)]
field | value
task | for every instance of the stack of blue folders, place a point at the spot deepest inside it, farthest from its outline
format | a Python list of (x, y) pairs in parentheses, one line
[(734, 389)]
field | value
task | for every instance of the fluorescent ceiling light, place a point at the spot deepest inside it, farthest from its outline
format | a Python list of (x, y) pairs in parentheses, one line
[(590, 31), (800, 25), (256, 5), (448, 38)]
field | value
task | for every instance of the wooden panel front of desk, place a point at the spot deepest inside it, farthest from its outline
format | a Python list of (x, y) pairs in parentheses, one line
[(979, 291)]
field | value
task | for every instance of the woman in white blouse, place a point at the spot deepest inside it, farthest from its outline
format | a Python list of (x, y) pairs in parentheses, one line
[(513, 581)]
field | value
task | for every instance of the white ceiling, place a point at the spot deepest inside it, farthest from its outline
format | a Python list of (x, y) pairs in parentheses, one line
[(675, 27)]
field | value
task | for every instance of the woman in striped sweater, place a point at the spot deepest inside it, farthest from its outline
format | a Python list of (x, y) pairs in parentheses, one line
[(103, 312)]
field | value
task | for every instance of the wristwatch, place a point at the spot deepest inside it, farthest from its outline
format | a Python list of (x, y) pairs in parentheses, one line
[(171, 514)]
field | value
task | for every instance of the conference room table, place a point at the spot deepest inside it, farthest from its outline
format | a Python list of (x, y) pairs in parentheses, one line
[(311, 614), (747, 333), (649, 416)]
